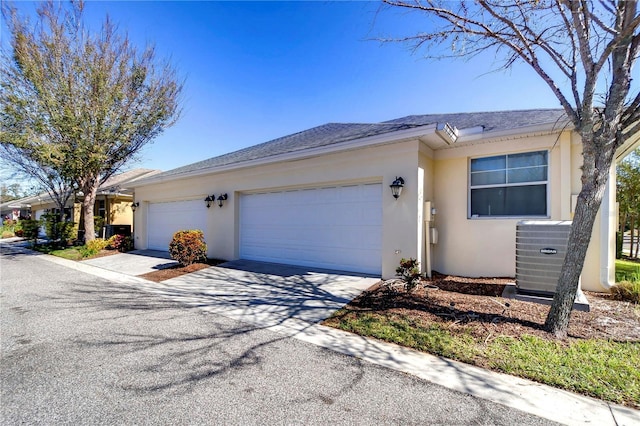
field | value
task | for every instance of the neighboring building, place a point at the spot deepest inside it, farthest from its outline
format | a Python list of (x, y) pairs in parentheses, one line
[(321, 197), (113, 201)]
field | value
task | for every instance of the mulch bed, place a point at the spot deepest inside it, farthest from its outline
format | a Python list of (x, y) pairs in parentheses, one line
[(475, 305), (178, 270)]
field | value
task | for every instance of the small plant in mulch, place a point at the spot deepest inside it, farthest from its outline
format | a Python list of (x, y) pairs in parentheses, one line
[(628, 291), (409, 272)]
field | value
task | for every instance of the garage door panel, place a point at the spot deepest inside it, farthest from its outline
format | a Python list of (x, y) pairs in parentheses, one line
[(331, 227), (165, 219)]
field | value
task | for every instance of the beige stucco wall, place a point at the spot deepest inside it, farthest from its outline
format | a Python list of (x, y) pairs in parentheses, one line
[(120, 212), (372, 164), (486, 246)]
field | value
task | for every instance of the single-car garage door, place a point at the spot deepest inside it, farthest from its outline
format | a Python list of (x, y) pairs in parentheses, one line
[(336, 228), (165, 219)]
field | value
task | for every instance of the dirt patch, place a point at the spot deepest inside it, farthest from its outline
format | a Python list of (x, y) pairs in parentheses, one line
[(178, 270), (474, 305)]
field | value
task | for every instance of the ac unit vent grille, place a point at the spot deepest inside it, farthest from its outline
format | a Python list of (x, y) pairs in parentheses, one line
[(541, 247)]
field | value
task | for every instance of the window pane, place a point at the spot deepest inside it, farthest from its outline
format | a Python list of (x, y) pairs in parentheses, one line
[(526, 200), (488, 163), (488, 178), (529, 174), (509, 201), (527, 159), (488, 202)]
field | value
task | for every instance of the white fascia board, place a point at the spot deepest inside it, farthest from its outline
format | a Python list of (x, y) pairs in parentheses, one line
[(382, 139), (626, 148), (115, 194), (546, 128)]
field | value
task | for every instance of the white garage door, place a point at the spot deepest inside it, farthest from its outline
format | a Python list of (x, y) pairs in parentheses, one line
[(336, 228), (166, 218)]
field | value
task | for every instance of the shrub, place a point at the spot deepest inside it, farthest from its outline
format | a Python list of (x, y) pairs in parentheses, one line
[(56, 229), (7, 234), (30, 229), (19, 233), (97, 245), (92, 247), (628, 291), (409, 272), (188, 247), (85, 251), (98, 222), (120, 242)]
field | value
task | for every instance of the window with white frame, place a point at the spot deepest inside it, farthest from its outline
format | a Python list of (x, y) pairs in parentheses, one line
[(509, 185)]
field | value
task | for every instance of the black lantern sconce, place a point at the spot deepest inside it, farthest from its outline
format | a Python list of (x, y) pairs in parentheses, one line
[(210, 199), (221, 199), (134, 206), (396, 187)]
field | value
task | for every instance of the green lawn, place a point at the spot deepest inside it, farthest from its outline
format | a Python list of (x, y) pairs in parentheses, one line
[(600, 368), (627, 271), (71, 253)]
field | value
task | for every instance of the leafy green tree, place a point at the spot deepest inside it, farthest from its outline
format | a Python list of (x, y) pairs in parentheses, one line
[(78, 104), (628, 196), (584, 51), (10, 192)]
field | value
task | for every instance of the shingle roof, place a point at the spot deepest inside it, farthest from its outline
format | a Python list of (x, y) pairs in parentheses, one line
[(333, 133), (324, 135), (496, 120)]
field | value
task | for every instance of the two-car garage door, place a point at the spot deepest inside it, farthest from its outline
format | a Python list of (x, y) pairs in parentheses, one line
[(335, 227)]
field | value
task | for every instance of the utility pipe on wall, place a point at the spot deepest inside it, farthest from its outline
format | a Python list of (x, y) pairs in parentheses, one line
[(428, 218)]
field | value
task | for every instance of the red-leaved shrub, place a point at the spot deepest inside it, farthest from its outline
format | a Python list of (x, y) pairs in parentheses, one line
[(188, 247)]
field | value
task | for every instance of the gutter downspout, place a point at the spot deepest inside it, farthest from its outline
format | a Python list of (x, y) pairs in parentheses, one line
[(607, 224)]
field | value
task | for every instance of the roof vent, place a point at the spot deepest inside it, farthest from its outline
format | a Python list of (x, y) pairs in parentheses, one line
[(447, 132)]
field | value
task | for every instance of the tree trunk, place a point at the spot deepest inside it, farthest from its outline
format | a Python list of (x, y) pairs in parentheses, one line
[(595, 176), (90, 190), (632, 232), (635, 237), (622, 223)]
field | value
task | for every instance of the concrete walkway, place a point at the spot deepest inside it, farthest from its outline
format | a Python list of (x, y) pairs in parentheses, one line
[(135, 262), (300, 323)]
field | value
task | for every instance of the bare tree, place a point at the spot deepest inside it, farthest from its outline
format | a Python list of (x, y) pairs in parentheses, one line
[(45, 176), (584, 51), (79, 104)]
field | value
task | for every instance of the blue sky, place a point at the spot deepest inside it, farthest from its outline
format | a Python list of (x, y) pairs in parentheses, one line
[(256, 71)]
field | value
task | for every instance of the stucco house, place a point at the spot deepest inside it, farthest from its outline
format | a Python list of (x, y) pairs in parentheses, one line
[(322, 197), (113, 201)]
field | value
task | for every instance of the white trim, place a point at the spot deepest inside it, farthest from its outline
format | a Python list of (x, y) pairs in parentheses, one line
[(526, 131)]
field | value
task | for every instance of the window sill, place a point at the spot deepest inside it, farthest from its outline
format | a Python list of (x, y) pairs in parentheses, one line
[(507, 217)]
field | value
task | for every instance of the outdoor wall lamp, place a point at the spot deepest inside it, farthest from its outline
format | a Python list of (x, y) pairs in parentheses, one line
[(134, 206), (396, 187), (221, 199), (210, 199)]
